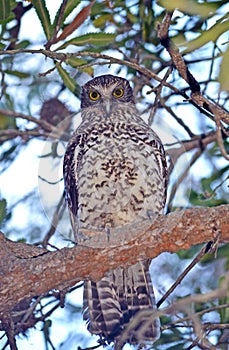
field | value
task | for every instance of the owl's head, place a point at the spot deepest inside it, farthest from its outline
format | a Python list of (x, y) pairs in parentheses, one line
[(106, 91)]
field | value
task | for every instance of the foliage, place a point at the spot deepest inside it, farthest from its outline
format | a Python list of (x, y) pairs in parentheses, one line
[(82, 39)]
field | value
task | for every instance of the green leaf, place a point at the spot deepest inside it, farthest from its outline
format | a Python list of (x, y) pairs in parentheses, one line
[(11, 17), (79, 19), (71, 5), (189, 6), (210, 35), (44, 17), (132, 18), (16, 73), (4, 9), (77, 62), (3, 211), (98, 39), (6, 122), (223, 75), (100, 8), (22, 44), (190, 253), (69, 82), (100, 21), (222, 253), (205, 200)]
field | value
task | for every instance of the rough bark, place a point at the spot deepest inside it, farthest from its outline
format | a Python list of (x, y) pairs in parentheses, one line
[(28, 271)]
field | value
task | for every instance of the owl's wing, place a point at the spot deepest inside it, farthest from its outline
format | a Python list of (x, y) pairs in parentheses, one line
[(160, 157), (72, 162), (150, 138)]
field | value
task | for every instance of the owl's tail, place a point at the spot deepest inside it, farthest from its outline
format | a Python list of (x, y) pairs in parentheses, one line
[(120, 307)]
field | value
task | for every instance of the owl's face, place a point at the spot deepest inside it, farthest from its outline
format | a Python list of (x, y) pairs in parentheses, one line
[(106, 91)]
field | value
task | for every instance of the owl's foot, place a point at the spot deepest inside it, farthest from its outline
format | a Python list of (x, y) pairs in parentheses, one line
[(151, 215)]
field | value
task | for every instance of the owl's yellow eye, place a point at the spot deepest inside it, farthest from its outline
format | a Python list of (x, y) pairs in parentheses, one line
[(94, 95), (118, 92)]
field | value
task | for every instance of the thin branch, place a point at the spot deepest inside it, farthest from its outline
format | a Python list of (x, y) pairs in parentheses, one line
[(183, 305), (9, 329), (184, 72), (182, 176), (57, 28), (197, 142), (48, 130), (180, 322), (195, 261), (45, 125), (158, 91), (59, 211), (195, 100), (26, 134), (178, 119)]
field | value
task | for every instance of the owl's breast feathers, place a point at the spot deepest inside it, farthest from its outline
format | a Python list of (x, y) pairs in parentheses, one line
[(114, 174)]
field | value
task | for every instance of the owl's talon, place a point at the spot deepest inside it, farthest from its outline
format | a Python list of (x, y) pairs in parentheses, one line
[(108, 232)]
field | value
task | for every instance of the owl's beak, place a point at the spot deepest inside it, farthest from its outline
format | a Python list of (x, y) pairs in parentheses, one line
[(107, 106)]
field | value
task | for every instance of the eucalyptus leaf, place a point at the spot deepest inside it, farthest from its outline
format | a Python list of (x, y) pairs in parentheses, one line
[(3, 206), (18, 74), (223, 75), (70, 6), (77, 63), (69, 82), (98, 39), (210, 35), (4, 9), (44, 17), (189, 6)]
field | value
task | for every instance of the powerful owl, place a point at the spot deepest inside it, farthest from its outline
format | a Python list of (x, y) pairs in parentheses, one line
[(115, 174)]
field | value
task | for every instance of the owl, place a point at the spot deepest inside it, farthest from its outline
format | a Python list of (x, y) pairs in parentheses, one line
[(115, 174)]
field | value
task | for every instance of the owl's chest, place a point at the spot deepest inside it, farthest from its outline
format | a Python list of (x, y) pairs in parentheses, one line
[(116, 160), (117, 179)]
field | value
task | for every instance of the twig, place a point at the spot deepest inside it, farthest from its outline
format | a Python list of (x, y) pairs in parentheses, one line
[(184, 72), (8, 326), (57, 28), (177, 323), (109, 60), (198, 141), (197, 259), (60, 208), (158, 90), (182, 176), (177, 59), (178, 119), (27, 134), (45, 125)]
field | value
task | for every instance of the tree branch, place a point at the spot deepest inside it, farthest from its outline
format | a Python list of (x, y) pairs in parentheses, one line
[(178, 61), (205, 106), (47, 130), (28, 271)]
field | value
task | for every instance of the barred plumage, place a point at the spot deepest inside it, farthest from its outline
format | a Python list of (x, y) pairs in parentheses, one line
[(115, 174)]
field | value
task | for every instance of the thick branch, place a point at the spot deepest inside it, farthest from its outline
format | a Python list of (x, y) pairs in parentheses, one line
[(28, 271)]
